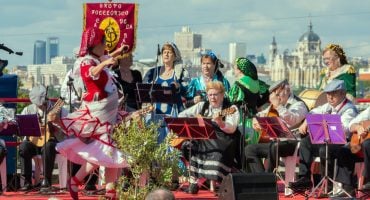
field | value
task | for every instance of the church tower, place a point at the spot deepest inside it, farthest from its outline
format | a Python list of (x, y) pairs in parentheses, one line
[(272, 52)]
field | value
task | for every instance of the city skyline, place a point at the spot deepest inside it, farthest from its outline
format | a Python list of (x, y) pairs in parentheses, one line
[(219, 22)]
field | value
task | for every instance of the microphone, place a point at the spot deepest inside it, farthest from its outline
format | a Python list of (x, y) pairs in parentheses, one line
[(158, 50), (46, 96), (3, 47)]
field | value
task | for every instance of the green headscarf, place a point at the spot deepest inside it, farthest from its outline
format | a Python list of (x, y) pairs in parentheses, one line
[(247, 67)]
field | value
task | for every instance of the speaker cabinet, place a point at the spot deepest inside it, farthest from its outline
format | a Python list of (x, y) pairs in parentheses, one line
[(242, 186)]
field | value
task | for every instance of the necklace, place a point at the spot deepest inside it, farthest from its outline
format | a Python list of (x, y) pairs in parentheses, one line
[(167, 73)]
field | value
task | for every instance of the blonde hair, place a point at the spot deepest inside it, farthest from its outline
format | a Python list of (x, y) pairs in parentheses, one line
[(217, 85), (337, 49)]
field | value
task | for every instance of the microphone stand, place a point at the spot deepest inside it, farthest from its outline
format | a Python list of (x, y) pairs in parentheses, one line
[(245, 111), (71, 88), (46, 104), (155, 75)]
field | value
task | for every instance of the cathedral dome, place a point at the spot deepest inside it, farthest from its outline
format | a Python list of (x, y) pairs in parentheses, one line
[(309, 36)]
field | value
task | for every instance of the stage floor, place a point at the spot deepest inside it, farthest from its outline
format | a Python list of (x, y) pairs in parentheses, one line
[(202, 195), (64, 195), (180, 195)]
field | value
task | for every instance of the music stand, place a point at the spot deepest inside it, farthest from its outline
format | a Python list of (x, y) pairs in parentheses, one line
[(25, 125), (150, 93), (193, 128), (325, 129), (28, 125), (276, 129)]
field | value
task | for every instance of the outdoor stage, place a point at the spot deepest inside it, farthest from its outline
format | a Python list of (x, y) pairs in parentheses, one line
[(203, 195), (64, 195)]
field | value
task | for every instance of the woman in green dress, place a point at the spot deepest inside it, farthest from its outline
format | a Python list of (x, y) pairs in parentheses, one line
[(248, 93), (337, 67)]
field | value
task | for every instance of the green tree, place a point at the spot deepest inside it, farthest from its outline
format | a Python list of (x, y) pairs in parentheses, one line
[(145, 156)]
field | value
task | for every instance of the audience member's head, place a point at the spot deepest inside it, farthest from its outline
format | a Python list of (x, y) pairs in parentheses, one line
[(160, 194)]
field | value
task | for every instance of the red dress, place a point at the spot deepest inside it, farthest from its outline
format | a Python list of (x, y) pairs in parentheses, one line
[(94, 121)]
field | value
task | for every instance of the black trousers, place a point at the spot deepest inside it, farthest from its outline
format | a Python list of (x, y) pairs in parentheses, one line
[(27, 150), (309, 151), (255, 152), (347, 161)]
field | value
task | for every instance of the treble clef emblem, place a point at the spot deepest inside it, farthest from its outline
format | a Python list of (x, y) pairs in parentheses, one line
[(111, 35), (112, 32)]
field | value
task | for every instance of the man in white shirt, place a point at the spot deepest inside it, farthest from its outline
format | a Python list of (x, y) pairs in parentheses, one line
[(337, 104), (291, 110)]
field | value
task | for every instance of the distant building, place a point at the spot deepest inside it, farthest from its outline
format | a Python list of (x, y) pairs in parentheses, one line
[(52, 48), (190, 45), (236, 50), (39, 52), (49, 74), (302, 66)]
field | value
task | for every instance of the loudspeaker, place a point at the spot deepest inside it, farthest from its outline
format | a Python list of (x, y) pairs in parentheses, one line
[(241, 186)]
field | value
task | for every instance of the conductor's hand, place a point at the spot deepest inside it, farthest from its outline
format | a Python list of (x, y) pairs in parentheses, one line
[(303, 128)]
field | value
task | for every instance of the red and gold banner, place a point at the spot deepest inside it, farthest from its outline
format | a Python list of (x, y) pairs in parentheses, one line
[(118, 20)]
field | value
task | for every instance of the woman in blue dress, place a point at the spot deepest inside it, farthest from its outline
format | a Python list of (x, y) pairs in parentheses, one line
[(210, 72), (170, 74)]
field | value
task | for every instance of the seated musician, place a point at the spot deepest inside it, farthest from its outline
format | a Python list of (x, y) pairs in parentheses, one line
[(213, 158), (27, 149), (346, 160), (337, 104), (291, 110)]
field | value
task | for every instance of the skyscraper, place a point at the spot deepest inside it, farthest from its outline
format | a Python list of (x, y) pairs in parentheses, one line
[(52, 48), (236, 50), (39, 52)]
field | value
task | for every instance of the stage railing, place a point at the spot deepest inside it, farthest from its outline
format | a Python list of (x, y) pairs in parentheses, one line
[(20, 100)]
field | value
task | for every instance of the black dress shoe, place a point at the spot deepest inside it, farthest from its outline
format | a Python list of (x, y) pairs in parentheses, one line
[(301, 184), (45, 184), (90, 188), (26, 187), (192, 189)]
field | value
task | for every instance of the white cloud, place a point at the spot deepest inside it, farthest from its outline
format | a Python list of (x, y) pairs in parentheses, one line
[(219, 21)]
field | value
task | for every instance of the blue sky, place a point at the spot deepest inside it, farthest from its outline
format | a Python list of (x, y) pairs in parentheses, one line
[(219, 21)]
